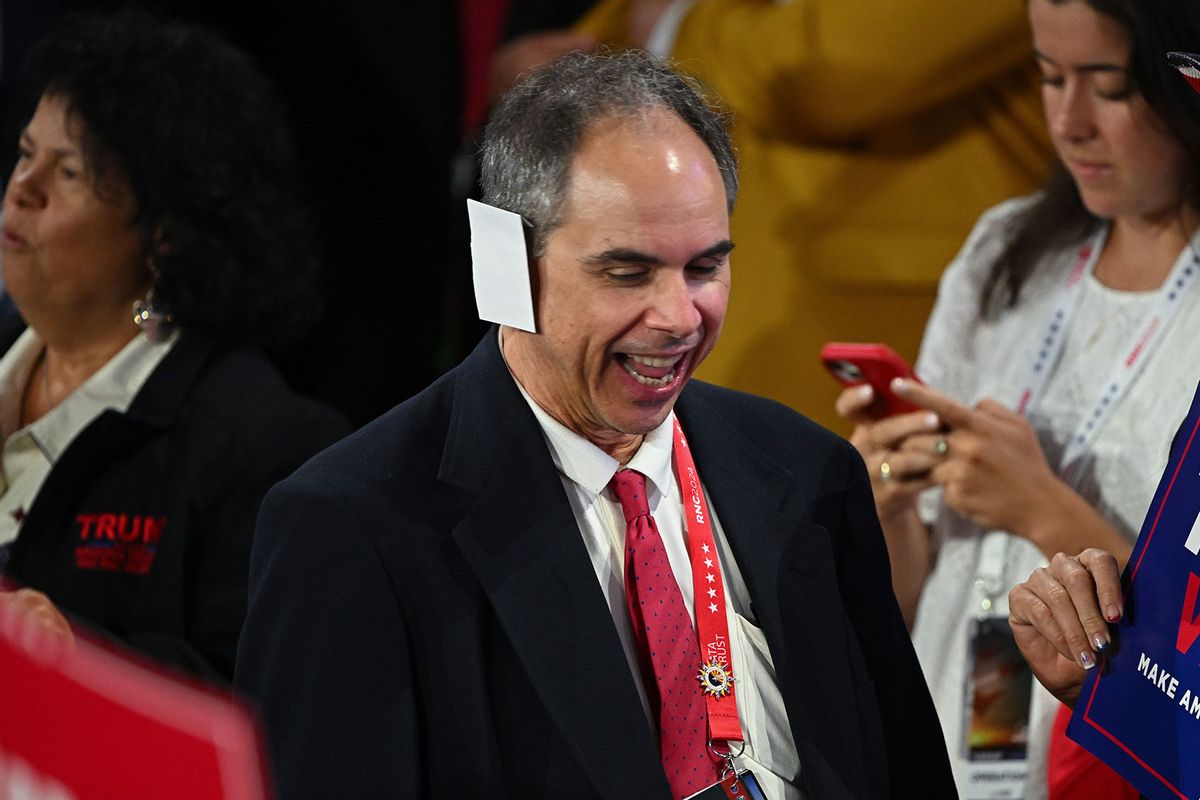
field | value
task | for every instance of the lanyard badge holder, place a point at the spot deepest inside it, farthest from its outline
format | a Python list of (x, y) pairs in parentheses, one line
[(998, 689), (735, 786)]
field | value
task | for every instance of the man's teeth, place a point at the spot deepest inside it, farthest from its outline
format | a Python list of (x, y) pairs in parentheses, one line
[(656, 383), (648, 361)]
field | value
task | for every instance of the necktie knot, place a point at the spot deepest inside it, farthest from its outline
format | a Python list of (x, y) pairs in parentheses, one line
[(630, 487)]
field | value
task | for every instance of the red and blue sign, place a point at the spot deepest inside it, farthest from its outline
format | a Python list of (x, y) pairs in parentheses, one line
[(1140, 711)]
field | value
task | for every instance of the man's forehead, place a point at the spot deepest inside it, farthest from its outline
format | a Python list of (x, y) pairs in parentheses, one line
[(620, 156), (637, 126), (626, 209)]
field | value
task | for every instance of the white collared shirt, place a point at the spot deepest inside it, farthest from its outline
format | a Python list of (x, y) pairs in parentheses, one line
[(30, 452), (586, 471)]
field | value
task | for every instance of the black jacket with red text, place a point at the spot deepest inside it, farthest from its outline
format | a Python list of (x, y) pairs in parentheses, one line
[(142, 528)]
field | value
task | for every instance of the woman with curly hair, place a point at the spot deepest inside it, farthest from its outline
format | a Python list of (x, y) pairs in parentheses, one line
[(152, 243)]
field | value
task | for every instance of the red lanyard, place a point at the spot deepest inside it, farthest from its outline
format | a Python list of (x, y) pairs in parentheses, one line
[(712, 624)]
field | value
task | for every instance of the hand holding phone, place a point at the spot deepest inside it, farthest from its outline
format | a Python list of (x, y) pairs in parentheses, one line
[(854, 363)]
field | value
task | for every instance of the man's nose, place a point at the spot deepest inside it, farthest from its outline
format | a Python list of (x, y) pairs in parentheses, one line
[(673, 306)]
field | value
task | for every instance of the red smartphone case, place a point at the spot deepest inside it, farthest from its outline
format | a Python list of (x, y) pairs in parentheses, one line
[(854, 363)]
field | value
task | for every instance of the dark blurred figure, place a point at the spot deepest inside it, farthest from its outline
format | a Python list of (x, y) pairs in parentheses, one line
[(22, 24), (384, 105)]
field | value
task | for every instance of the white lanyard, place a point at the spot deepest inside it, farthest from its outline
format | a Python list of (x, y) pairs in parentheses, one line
[(1047, 349)]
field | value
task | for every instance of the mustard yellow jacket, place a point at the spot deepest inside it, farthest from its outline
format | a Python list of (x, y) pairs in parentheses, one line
[(871, 134)]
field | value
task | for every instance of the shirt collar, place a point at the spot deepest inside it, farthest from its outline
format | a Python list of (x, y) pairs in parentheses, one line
[(15, 367), (113, 386)]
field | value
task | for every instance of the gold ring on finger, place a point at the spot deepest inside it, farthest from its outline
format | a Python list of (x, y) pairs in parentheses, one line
[(941, 446), (885, 471)]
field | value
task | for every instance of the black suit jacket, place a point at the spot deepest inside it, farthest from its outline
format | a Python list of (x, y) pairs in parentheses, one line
[(425, 621)]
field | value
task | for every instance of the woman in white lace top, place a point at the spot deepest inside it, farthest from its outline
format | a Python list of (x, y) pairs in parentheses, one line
[(1058, 362)]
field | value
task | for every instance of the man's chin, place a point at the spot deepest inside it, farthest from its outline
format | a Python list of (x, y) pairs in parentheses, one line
[(644, 416)]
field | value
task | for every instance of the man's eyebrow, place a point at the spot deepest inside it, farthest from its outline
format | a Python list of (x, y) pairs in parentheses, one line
[(623, 255), (626, 255), (722, 248), (1102, 66)]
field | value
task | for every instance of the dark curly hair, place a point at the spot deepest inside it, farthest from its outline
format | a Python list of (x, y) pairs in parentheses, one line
[(1058, 216), (199, 133)]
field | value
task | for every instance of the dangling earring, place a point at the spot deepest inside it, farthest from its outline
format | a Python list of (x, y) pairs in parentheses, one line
[(154, 324)]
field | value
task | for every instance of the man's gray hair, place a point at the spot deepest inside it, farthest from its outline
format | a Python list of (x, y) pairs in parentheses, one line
[(535, 131)]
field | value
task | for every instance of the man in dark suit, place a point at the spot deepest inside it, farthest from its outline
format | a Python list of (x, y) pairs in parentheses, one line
[(508, 585)]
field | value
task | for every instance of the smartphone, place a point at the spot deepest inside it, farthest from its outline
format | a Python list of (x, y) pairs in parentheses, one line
[(855, 363)]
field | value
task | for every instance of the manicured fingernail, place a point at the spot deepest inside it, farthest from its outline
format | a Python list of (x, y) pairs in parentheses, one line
[(865, 392), (1101, 641), (932, 422), (1112, 613), (899, 386), (1086, 660)]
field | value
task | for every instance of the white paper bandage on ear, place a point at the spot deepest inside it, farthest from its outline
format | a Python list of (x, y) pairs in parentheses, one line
[(500, 266)]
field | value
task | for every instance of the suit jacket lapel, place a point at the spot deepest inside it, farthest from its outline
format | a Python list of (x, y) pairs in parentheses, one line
[(523, 542)]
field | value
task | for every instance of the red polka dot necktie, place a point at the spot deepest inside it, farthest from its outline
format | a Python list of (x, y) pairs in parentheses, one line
[(669, 650)]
